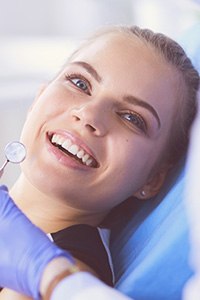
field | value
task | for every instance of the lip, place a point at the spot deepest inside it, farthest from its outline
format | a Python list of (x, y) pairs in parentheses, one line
[(65, 159)]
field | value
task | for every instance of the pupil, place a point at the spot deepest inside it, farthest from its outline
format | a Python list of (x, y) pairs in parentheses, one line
[(81, 85)]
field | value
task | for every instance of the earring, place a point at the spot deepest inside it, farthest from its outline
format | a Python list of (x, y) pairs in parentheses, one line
[(143, 193)]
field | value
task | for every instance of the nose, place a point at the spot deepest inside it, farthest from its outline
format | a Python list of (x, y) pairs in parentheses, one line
[(91, 117)]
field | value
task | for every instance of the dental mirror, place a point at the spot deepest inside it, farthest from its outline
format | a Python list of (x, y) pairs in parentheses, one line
[(15, 152)]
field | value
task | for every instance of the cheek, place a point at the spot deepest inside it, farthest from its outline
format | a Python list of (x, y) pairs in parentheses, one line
[(133, 163), (44, 109), (128, 163)]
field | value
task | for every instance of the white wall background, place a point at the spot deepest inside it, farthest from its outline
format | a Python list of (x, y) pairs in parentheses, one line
[(36, 36)]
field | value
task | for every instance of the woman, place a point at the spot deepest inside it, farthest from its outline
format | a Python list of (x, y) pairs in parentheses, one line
[(109, 126)]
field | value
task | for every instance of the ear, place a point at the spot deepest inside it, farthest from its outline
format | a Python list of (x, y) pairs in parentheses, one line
[(153, 185)]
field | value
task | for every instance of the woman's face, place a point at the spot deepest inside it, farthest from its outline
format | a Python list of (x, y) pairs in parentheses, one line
[(94, 133)]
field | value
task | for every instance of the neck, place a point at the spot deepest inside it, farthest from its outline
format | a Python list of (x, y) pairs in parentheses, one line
[(47, 212)]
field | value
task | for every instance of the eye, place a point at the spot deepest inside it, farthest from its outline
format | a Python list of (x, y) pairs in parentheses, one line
[(80, 82), (135, 120)]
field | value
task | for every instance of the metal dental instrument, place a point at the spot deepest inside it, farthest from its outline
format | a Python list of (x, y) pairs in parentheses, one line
[(15, 152)]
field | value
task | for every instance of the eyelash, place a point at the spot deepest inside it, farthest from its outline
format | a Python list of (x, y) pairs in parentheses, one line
[(81, 78), (135, 120)]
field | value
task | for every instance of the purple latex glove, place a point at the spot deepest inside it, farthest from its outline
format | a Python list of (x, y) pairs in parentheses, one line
[(24, 249)]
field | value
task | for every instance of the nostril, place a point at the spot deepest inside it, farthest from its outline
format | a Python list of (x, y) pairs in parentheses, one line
[(76, 118), (90, 127), (85, 122), (89, 119)]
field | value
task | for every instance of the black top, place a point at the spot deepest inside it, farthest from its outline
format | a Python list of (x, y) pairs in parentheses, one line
[(84, 243)]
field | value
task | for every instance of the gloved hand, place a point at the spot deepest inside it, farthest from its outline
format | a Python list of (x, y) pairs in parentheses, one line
[(24, 249)]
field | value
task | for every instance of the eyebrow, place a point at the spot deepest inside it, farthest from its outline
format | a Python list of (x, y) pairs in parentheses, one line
[(89, 69), (139, 102), (127, 98)]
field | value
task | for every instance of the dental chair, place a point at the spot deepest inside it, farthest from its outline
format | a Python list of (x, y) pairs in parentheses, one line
[(150, 245)]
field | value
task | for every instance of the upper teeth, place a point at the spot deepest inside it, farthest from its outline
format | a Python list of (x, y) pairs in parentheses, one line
[(72, 148)]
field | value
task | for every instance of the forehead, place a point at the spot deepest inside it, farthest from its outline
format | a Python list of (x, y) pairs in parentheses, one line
[(121, 46), (123, 53)]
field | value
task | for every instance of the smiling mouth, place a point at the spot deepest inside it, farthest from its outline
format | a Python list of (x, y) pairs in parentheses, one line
[(73, 150)]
